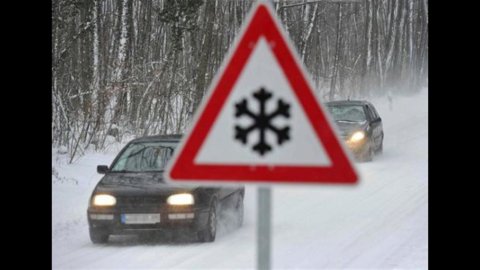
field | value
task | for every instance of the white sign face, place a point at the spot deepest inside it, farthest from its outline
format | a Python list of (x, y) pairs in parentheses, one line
[(303, 147)]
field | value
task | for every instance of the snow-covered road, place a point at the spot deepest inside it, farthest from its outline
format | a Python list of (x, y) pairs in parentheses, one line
[(381, 223)]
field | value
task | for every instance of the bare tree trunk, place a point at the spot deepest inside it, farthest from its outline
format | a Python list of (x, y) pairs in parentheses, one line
[(307, 35), (410, 52), (367, 58), (204, 60), (337, 53), (120, 65), (96, 62), (396, 72)]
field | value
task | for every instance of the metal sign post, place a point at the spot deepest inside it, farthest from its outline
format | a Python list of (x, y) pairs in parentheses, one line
[(264, 228)]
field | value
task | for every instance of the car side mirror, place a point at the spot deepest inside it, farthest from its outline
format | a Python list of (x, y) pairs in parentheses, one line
[(378, 119), (102, 169)]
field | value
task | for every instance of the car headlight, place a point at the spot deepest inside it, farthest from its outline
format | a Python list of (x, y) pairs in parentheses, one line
[(357, 136), (181, 199), (104, 200)]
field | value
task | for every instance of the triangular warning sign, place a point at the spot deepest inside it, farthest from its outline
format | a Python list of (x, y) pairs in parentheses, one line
[(261, 121)]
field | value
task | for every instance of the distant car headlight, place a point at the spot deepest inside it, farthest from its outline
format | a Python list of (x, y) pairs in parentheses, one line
[(104, 200), (181, 199), (357, 136)]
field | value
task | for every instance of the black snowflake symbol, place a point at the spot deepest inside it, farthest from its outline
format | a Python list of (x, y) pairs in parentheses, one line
[(262, 121)]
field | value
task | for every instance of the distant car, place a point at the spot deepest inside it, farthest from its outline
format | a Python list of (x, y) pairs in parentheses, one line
[(132, 197), (360, 127)]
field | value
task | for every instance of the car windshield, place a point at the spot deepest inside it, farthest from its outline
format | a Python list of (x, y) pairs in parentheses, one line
[(144, 157), (348, 113)]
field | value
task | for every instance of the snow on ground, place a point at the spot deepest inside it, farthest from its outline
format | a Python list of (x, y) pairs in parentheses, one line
[(381, 223)]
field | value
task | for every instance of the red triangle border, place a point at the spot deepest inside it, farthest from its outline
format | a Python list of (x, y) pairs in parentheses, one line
[(183, 168)]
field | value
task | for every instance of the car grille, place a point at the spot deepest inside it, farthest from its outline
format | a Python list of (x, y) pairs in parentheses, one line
[(132, 202), (344, 136)]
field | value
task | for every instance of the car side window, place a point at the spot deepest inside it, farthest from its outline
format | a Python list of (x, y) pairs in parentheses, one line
[(375, 112), (372, 112), (371, 116)]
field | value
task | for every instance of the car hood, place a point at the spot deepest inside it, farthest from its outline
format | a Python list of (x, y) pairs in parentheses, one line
[(139, 183), (346, 128)]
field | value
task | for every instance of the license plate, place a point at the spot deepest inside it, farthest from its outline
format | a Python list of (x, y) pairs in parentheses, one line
[(140, 218)]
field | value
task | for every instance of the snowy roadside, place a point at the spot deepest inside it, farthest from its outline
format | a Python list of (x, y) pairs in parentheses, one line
[(71, 188)]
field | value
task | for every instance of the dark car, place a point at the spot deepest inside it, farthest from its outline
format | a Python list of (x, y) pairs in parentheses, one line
[(132, 197), (360, 127)]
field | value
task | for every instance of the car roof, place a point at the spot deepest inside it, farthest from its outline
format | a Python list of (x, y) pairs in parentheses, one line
[(349, 102), (171, 137)]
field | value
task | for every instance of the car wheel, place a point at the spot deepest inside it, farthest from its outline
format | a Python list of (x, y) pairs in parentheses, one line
[(209, 233), (239, 210), (98, 236), (368, 156), (380, 147)]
